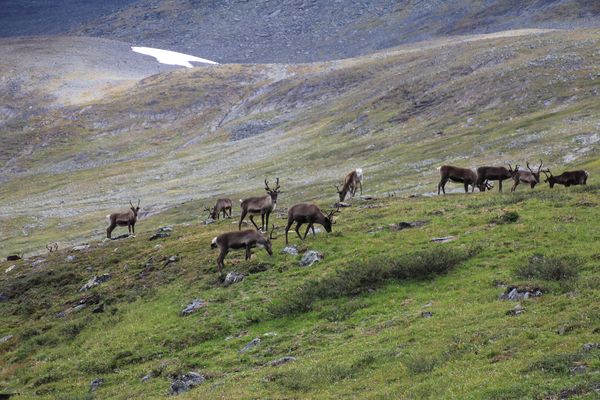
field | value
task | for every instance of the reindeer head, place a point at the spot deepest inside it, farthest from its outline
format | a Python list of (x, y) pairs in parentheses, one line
[(211, 212), (272, 192), (52, 247), (550, 179), (329, 222), (512, 171), (267, 243), (135, 209), (536, 175)]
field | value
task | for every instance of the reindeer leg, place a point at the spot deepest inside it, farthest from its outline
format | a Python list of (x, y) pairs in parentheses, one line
[(500, 185), (110, 229), (514, 186), (253, 223), (248, 254), (133, 228), (241, 219), (287, 228), (360, 188), (298, 225), (307, 229), (441, 186), (222, 254)]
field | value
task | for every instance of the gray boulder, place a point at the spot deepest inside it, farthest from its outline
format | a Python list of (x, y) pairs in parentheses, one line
[(96, 383), (183, 383), (310, 257), (444, 239), (255, 342), (95, 281), (194, 306), (233, 277), (282, 360), (292, 250), (6, 338)]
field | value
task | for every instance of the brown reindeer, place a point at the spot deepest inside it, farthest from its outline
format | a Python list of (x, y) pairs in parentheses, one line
[(127, 219), (52, 247), (222, 205), (306, 213), (260, 205), (567, 178), (351, 182), (246, 239), (486, 174), (528, 177), (462, 175)]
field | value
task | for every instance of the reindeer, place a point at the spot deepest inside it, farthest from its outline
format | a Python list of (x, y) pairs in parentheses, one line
[(351, 182), (308, 213), (246, 239), (260, 205), (462, 175), (52, 247), (222, 205), (127, 219), (567, 178), (527, 177), (486, 174)]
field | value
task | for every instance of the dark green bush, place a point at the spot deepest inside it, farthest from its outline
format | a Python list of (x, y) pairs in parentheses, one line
[(509, 217), (550, 268)]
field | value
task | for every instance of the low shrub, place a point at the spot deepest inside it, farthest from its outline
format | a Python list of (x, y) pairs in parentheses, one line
[(550, 268)]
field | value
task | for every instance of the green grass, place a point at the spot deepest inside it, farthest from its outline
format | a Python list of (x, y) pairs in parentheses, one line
[(353, 321)]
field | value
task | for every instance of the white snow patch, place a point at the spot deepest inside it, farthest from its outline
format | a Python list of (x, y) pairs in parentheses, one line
[(171, 57)]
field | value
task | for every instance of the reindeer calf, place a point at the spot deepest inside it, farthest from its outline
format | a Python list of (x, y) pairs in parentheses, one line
[(222, 206)]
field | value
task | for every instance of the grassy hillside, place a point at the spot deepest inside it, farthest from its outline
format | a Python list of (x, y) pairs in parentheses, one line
[(188, 136), (357, 322)]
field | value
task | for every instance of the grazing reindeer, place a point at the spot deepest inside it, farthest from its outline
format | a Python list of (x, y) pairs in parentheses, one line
[(246, 239), (527, 177), (222, 205), (567, 178), (52, 247), (306, 213), (127, 219), (260, 205), (461, 175), (351, 182), (485, 174)]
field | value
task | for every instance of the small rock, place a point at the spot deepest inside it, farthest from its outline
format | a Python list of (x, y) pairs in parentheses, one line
[(10, 268), (38, 263), (98, 309), (515, 294), (70, 258), (3, 297), (233, 277), (95, 281), (292, 250), (171, 259), (146, 378), (191, 308), (341, 204), (255, 342), (96, 383), (405, 225), (80, 247), (159, 235), (281, 360), (591, 346), (518, 310), (310, 257), (578, 369), (368, 197), (270, 334), (426, 314), (6, 338), (209, 221), (165, 229), (444, 239), (157, 247), (185, 382)]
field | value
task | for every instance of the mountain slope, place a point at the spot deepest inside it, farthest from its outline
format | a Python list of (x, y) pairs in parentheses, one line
[(289, 31), (219, 131)]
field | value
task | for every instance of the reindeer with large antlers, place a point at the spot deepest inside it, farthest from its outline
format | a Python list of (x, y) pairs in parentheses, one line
[(127, 219), (352, 181), (567, 178), (246, 239), (222, 206), (264, 206), (306, 213), (528, 177), (486, 174)]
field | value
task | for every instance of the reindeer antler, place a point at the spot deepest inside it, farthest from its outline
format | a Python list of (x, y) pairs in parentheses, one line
[(131, 204), (271, 234), (540, 167), (267, 185), (138, 202), (277, 184)]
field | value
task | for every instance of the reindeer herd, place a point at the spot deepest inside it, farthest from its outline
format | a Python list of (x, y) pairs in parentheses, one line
[(481, 179), (310, 214)]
